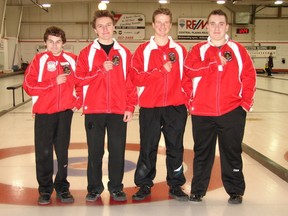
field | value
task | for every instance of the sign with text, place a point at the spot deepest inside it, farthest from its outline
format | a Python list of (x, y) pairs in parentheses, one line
[(192, 29), (129, 27), (261, 51)]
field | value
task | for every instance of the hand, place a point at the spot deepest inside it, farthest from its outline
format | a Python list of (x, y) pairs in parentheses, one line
[(168, 66), (108, 65), (127, 116), (223, 60), (74, 109), (62, 78)]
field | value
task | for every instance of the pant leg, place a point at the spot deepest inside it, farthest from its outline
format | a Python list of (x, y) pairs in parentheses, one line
[(205, 136), (95, 125), (44, 130), (174, 121), (150, 132), (231, 132), (61, 144), (116, 130)]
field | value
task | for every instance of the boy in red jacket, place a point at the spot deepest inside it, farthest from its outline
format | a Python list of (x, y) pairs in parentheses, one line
[(224, 81), (50, 80), (109, 102), (157, 67)]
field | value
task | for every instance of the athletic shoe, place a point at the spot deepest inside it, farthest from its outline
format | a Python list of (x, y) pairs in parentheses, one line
[(177, 193), (118, 195), (235, 199), (92, 196), (44, 199), (143, 192), (65, 197)]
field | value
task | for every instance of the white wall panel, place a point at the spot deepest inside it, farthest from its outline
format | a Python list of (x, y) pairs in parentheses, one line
[(271, 30)]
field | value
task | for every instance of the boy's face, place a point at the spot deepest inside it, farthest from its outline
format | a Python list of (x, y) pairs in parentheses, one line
[(217, 28), (54, 44), (162, 25), (104, 28)]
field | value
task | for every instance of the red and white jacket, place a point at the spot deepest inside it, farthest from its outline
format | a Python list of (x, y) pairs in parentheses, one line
[(158, 87), (219, 89), (106, 91), (40, 82)]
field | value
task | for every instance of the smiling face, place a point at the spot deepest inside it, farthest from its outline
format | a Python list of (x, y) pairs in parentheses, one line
[(162, 25), (104, 28), (54, 45), (217, 28)]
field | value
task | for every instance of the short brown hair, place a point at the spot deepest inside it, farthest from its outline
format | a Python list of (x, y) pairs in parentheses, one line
[(218, 12), (101, 13), (164, 11), (55, 31)]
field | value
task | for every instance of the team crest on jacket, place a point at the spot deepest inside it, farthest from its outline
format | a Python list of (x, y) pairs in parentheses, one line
[(51, 66), (116, 60), (228, 56), (66, 67), (172, 57)]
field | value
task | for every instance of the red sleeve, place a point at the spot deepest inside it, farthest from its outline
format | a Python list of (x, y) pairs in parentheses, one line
[(132, 98), (248, 78), (186, 82), (196, 67), (31, 84), (140, 77), (83, 75)]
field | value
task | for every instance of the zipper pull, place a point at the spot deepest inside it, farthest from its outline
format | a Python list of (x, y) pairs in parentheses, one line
[(220, 67)]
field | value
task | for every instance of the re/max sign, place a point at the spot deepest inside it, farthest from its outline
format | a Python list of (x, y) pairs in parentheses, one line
[(192, 23), (192, 26)]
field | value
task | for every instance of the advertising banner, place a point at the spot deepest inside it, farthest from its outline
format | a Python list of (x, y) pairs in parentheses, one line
[(192, 29), (129, 27), (261, 51)]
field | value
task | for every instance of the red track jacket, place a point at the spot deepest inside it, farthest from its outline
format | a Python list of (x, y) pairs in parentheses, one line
[(158, 87), (106, 91), (40, 83), (220, 89)]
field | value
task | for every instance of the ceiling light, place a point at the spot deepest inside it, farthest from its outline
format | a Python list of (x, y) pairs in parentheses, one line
[(102, 6), (46, 5), (220, 2), (278, 2), (163, 1), (105, 1)]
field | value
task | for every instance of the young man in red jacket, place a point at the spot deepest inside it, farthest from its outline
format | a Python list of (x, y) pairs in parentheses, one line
[(50, 80), (109, 102), (157, 68), (224, 79)]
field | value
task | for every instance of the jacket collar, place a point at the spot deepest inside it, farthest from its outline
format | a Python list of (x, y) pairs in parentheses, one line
[(153, 45), (226, 40), (96, 44)]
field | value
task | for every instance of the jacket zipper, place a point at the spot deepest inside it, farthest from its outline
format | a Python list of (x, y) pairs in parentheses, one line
[(219, 73), (58, 86), (165, 84), (108, 89)]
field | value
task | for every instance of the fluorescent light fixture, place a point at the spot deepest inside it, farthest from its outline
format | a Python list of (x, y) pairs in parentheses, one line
[(220, 2), (278, 2), (163, 1), (105, 1), (46, 5)]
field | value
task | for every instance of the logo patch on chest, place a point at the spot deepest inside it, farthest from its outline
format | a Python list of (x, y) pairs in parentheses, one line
[(66, 67), (228, 56), (51, 66)]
